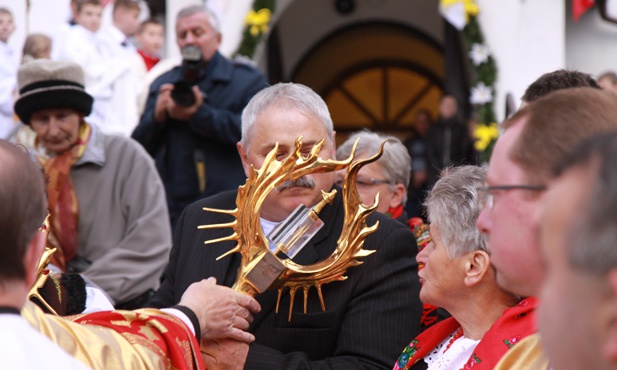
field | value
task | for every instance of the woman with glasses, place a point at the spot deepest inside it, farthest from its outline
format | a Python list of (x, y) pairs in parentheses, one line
[(457, 276), (388, 176)]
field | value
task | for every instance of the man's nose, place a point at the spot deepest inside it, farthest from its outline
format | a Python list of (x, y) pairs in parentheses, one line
[(190, 38), (484, 223)]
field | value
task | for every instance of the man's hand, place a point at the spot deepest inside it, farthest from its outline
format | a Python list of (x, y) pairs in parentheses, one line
[(166, 107), (222, 312), (163, 100), (224, 354)]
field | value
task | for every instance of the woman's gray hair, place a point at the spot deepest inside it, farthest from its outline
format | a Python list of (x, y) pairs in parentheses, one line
[(395, 161), (453, 208), (193, 9), (290, 96)]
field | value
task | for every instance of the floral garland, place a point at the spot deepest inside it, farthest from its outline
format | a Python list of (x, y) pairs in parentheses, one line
[(484, 75), (256, 25)]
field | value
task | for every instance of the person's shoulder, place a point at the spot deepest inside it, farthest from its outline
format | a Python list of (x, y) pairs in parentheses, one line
[(244, 65), (124, 147)]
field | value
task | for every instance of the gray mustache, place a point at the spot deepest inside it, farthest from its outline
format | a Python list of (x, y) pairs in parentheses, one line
[(302, 182)]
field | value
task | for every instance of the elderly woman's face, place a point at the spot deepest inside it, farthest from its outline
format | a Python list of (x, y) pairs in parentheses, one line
[(442, 276), (372, 180), (56, 129)]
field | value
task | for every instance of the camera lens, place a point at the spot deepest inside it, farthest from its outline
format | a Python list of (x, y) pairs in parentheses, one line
[(182, 94)]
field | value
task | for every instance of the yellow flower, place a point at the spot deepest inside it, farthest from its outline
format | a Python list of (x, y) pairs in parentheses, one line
[(471, 7), (257, 21), (484, 135)]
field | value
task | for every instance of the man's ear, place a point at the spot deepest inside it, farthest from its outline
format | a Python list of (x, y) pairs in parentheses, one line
[(609, 347), (33, 255), (477, 264), (397, 195), (244, 157)]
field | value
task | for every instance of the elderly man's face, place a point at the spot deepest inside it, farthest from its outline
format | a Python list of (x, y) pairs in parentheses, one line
[(56, 129), (574, 306), (196, 30), (509, 224), (284, 126)]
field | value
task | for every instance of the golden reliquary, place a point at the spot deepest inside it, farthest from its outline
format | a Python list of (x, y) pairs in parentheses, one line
[(260, 268)]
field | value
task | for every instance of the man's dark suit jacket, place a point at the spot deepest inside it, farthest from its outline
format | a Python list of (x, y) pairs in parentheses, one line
[(369, 317)]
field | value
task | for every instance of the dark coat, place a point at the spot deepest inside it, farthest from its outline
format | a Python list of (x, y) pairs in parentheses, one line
[(448, 143), (208, 139), (369, 317)]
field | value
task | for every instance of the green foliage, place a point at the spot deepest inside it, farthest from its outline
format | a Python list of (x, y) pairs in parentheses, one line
[(250, 40), (486, 73)]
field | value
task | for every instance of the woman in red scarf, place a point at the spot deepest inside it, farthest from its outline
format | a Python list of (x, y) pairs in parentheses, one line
[(109, 221), (457, 276)]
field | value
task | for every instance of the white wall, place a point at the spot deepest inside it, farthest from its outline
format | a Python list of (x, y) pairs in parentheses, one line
[(590, 43), (44, 16), (527, 39)]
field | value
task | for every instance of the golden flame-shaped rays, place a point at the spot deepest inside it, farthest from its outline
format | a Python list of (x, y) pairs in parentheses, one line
[(253, 245), (42, 272)]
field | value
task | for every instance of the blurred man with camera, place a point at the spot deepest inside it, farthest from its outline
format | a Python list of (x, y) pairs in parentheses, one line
[(191, 122)]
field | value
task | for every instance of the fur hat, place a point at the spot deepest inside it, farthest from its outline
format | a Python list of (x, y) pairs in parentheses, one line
[(46, 84)]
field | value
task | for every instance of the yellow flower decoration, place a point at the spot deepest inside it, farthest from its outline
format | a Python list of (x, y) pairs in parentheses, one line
[(257, 21), (484, 135), (471, 7)]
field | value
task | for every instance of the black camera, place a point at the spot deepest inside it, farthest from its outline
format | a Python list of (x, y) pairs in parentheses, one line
[(182, 94)]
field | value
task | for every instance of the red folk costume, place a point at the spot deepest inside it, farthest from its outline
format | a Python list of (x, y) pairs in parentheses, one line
[(140, 339), (515, 324)]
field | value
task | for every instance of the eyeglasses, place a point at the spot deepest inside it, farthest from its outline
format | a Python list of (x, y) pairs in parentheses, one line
[(486, 193), (365, 182)]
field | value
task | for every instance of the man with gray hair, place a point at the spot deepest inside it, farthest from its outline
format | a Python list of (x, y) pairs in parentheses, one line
[(367, 318), (388, 176), (191, 122)]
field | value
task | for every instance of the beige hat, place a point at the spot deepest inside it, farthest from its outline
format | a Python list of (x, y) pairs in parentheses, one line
[(46, 84)]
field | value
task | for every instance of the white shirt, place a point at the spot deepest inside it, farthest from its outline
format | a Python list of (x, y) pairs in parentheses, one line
[(114, 43), (9, 62), (22, 347), (109, 79), (454, 357)]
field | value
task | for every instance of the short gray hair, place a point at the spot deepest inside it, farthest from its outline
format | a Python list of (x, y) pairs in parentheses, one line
[(453, 208), (193, 9), (395, 161), (290, 96)]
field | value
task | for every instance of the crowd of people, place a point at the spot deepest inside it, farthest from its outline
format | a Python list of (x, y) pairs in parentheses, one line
[(505, 266)]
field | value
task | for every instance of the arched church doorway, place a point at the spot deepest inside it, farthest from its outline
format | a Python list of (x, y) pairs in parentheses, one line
[(375, 75)]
